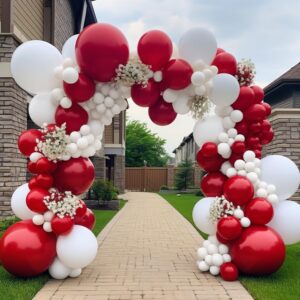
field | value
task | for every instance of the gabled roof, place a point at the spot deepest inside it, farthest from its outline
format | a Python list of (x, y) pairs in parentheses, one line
[(185, 140)]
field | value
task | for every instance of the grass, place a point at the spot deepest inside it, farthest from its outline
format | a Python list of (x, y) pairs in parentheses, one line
[(15, 288), (284, 284)]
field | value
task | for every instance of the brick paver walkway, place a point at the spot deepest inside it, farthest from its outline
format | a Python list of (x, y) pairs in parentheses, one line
[(148, 251)]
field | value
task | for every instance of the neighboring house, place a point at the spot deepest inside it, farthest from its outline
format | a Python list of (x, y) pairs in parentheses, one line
[(53, 21)]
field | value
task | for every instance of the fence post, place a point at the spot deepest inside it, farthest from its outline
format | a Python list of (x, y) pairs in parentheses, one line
[(170, 176)]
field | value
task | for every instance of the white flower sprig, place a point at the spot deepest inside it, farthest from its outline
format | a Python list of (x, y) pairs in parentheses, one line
[(221, 207), (134, 72), (245, 72), (62, 204), (199, 106)]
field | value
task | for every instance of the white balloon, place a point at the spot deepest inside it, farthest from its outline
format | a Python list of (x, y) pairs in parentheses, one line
[(68, 50), (42, 110), (75, 272), (18, 203), (96, 127), (181, 105), (208, 130), (225, 90), (170, 95), (201, 215), (197, 44), (281, 172), (286, 221), (33, 64), (78, 248), (58, 270)]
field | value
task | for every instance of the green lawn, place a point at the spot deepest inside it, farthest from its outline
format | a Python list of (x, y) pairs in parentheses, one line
[(284, 284), (15, 288)]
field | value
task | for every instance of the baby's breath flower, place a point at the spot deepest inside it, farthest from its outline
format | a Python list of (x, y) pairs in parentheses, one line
[(245, 72), (221, 207), (199, 106)]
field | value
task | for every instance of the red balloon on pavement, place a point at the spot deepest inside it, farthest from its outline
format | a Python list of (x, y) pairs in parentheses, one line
[(226, 63), (100, 49), (82, 90), (177, 74), (27, 141), (35, 200), (74, 117), (62, 225), (209, 164), (88, 220), (212, 184), (239, 190), (155, 49), (245, 98), (229, 228), (229, 271), (259, 211), (27, 250), (259, 93), (162, 113), (75, 175), (259, 251), (145, 96), (255, 113), (209, 149)]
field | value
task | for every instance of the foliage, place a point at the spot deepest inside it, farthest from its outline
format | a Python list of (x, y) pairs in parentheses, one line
[(198, 193), (143, 146), (104, 190), (164, 188), (5, 223), (183, 177)]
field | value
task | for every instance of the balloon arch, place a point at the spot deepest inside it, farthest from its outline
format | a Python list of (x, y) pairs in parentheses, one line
[(76, 93)]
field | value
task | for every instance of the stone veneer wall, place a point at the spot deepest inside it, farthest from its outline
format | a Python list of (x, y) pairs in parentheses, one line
[(119, 173)]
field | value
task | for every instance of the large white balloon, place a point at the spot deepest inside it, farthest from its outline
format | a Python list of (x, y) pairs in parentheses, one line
[(225, 90), (68, 50), (18, 203), (58, 270), (181, 105), (283, 173), (286, 221), (208, 130), (201, 215), (33, 64), (78, 248), (42, 110), (197, 44)]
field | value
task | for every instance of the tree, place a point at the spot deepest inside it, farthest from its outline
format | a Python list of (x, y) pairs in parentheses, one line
[(142, 146), (183, 177)]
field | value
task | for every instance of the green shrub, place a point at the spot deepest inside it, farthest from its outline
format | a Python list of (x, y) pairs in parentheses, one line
[(198, 193), (104, 190), (164, 188), (184, 175)]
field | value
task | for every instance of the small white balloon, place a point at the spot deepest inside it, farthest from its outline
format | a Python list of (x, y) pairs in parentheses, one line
[(252, 176), (38, 220), (48, 216), (47, 227), (82, 143), (70, 75), (228, 123), (213, 240), (214, 270), (57, 94), (224, 149), (249, 156), (238, 213), (198, 78), (113, 93), (240, 138), (202, 252), (231, 172), (245, 222), (58, 270), (98, 98), (223, 249), (109, 102), (236, 116), (261, 192), (203, 266), (35, 156), (181, 105), (158, 76), (72, 148), (85, 129), (223, 137), (208, 259), (232, 132), (65, 102), (272, 198), (75, 136), (170, 95), (212, 249), (217, 259), (75, 273), (250, 166), (226, 258)]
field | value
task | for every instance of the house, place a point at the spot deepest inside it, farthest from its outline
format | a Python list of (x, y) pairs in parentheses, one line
[(53, 21)]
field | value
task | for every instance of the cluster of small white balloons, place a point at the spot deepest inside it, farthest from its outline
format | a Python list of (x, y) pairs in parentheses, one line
[(44, 220)]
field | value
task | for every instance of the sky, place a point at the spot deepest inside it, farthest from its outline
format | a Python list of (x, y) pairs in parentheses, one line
[(267, 32)]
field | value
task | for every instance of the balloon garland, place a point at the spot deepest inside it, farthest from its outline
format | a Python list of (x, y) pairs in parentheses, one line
[(78, 92)]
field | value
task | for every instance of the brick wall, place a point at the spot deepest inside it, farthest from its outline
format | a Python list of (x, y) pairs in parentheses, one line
[(119, 172)]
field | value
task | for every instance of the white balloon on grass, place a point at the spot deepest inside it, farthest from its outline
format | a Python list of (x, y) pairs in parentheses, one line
[(78, 248), (42, 110), (286, 221), (68, 50), (18, 203), (33, 64), (208, 130), (181, 105), (197, 44), (58, 270), (201, 215), (281, 172)]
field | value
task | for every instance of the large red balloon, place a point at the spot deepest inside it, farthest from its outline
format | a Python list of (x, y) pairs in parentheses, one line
[(239, 190), (255, 113), (229, 228), (27, 141), (259, 211), (177, 74), (209, 164), (145, 96), (259, 93), (155, 49), (267, 137), (258, 251), (88, 220), (35, 200), (229, 271), (82, 90), (225, 62), (75, 175), (74, 117), (100, 49), (245, 98), (162, 113), (212, 184), (27, 250)]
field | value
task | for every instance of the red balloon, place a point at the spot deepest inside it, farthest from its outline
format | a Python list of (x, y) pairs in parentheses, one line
[(62, 225), (222, 240), (255, 127), (82, 90), (44, 181), (43, 165), (145, 96), (267, 137), (229, 228), (155, 49), (245, 98), (88, 220), (226, 63), (259, 93), (229, 271), (27, 141), (242, 127), (259, 211), (209, 164), (31, 167), (212, 184), (33, 183), (239, 190), (100, 49), (75, 175), (220, 50), (258, 153), (27, 250), (267, 107), (177, 74), (35, 200), (209, 149), (80, 211), (259, 251), (238, 147), (255, 113), (252, 142), (265, 125), (74, 117), (162, 113), (235, 156)]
